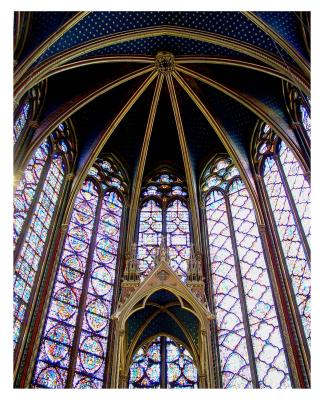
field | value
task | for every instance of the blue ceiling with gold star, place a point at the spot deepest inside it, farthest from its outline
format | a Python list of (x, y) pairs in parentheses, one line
[(229, 24)]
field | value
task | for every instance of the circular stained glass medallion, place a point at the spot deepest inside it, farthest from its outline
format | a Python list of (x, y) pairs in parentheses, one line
[(100, 280), (110, 220), (72, 269), (86, 383), (106, 250), (51, 378), (91, 356), (78, 239), (55, 352), (97, 315), (83, 212), (66, 303)]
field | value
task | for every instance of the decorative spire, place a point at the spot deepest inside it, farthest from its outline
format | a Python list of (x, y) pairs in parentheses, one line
[(194, 271), (131, 273), (195, 280), (162, 254), (131, 277)]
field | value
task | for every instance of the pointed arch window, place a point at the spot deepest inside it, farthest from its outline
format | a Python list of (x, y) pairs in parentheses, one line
[(21, 119), (27, 111), (73, 347), (305, 118), (250, 342), (162, 363), (35, 202), (164, 211), (299, 107), (288, 192)]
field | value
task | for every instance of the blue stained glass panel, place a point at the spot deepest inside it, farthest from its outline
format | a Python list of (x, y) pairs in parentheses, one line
[(21, 120), (28, 260)]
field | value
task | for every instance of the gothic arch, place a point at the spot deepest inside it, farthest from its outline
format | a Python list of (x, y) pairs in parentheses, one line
[(134, 297)]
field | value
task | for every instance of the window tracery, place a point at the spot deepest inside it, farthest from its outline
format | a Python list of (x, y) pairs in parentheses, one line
[(288, 192), (164, 211), (27, 111), (250, 341), (83, 289), (35, 201), (299, 107), (146, 369)]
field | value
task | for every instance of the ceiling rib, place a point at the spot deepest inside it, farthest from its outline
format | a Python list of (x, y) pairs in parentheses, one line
[(137, 183), (23, 67), (187, 164), (181, 60), (102, 60), (22, 84), (227, 142), (258, 108), (67, 109), (98, 146), (300, 61)]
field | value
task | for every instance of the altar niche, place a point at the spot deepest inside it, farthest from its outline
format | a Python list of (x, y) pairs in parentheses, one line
[(158, 314)]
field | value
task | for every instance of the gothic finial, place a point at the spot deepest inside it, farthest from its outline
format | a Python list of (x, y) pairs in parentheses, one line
[(131, 273), (162, 254), (194, 271)]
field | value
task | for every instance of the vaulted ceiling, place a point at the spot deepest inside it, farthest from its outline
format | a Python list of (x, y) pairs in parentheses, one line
[(100, 71)]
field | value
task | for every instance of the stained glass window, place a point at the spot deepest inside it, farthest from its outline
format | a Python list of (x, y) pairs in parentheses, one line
[(27, 188), (83, 290), (181, 370), (164, 211), (146, 370), (31, 252), (35, 201), (178, 236), (21, 120), (298, 186), (289, 195), (149, 236), (249, 336), (305, 119), (299, 107)]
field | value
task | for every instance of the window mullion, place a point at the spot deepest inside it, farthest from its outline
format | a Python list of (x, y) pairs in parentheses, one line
[(249, 343), (163, 371), (39, 189), (164, 222), (83, 298), (293, 206)]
